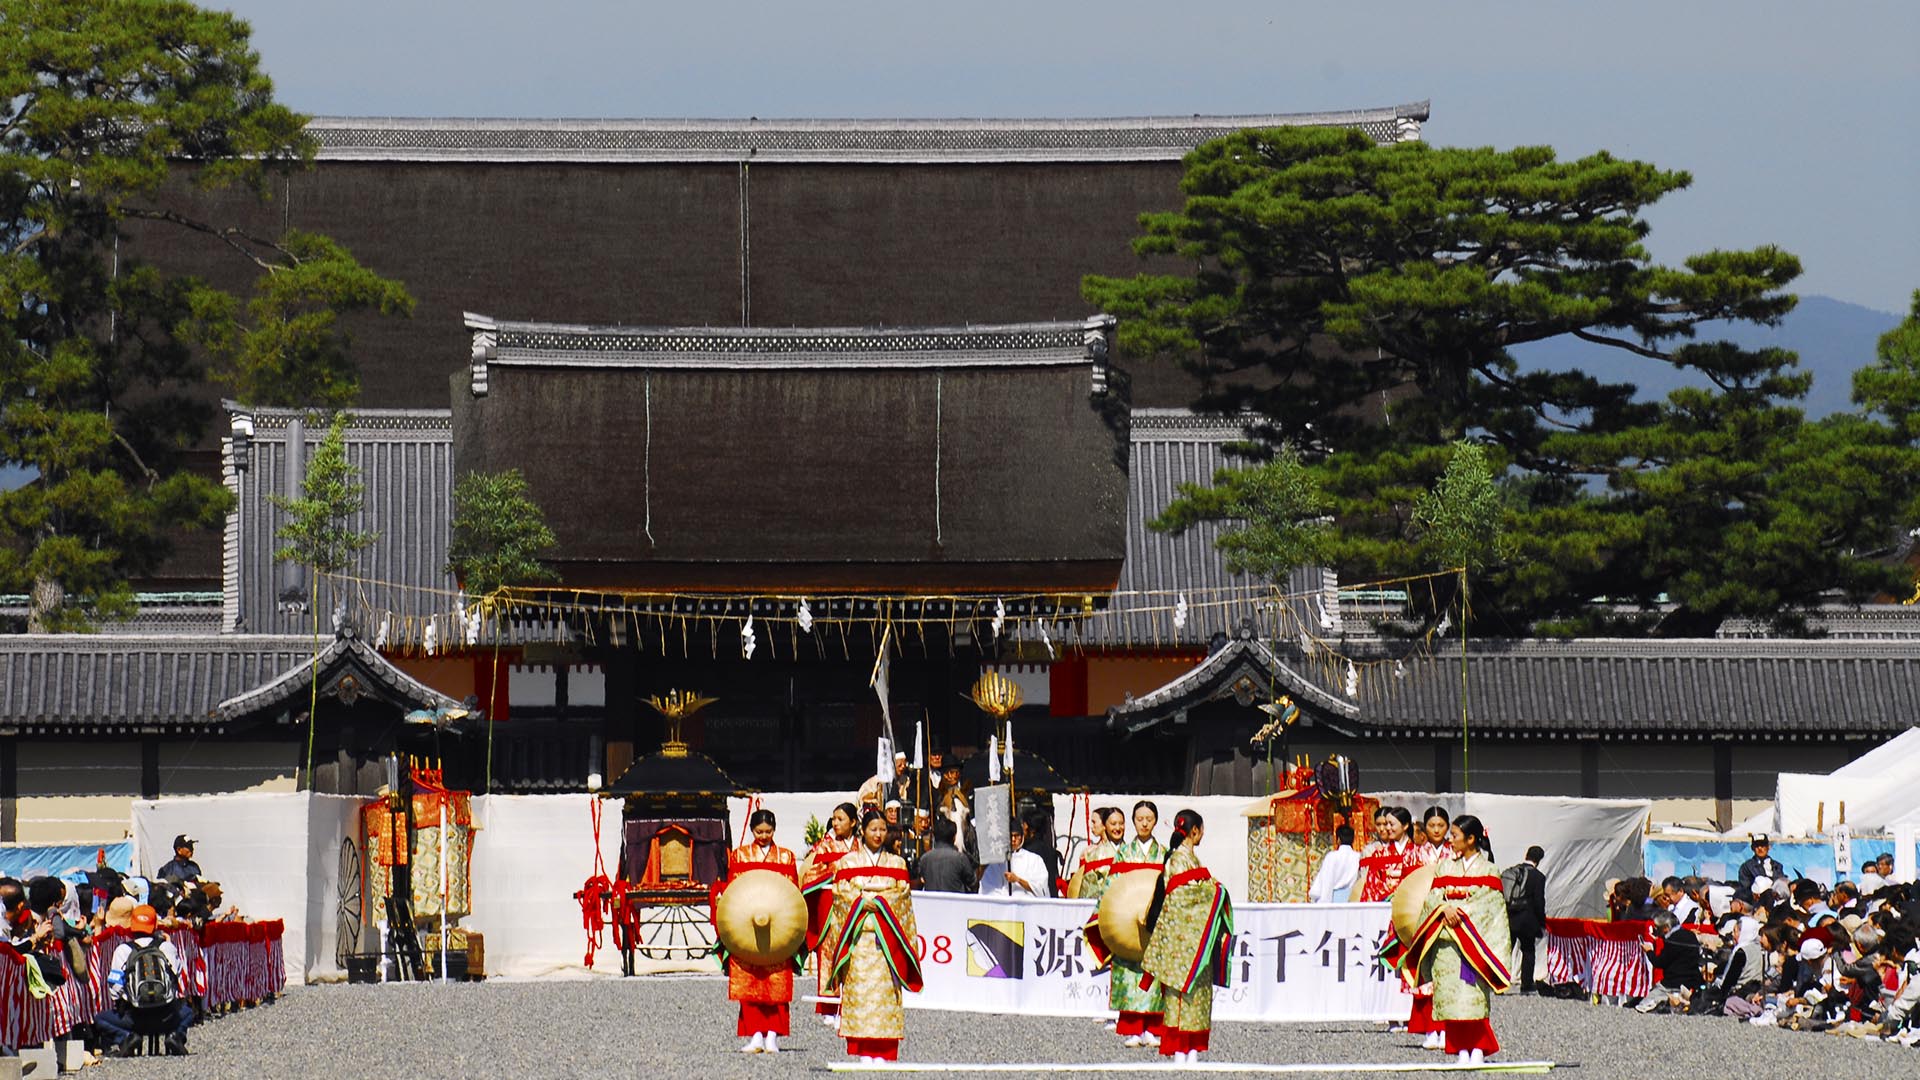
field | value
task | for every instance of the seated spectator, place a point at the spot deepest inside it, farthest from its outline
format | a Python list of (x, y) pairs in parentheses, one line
[(1742, 981), (1738, 925), (143, 983), (1870, 880), (1676, 964), (181, 867), (119, 913), (1811, 993), (1807, 897), (47, 897), (1884, 867), (1899, 971), (945, 868)]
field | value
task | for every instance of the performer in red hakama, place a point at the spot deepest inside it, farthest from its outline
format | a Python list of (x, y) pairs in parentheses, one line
[(816, 883), (1383, 865), (1430, 847), (763, 992)]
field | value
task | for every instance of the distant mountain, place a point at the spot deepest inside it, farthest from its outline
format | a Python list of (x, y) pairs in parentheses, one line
[(1834, 339)]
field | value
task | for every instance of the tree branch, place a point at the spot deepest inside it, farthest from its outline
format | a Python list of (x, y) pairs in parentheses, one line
[(14, 121), (1620, 343), (152, 477), (231, 236)]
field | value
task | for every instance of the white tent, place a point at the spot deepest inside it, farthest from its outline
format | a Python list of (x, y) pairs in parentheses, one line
[(1587, 841), (1876, 789)]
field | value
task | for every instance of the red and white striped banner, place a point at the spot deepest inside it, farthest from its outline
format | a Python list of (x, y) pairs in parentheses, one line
[(222, 964), (1605, 958)]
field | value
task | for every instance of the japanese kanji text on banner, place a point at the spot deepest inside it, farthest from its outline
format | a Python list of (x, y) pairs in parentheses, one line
[(1290, 961)]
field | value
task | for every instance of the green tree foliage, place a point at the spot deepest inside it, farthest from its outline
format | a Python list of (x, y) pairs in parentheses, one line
[(1459, 521), (1363, 301), (319, 533), (102, 102), (499, 533), (1277, 510)]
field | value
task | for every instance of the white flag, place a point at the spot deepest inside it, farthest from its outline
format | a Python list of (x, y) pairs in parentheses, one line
[(919, 744), (1008, 749), (881, 669), (883, 760), (993, 760)]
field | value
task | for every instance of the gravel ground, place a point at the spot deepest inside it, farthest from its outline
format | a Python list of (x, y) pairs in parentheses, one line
[(674, 1027)]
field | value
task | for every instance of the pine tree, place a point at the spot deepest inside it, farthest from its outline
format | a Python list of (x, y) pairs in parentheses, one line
[(319, 532), (1362, 301), (499, 533), (104, 104)]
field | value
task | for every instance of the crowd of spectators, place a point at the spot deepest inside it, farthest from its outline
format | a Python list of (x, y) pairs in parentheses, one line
[(51, 923), (1781, 951)]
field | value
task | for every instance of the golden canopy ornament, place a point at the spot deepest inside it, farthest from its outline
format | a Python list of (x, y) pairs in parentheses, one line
[(997, 695), (676, 706)]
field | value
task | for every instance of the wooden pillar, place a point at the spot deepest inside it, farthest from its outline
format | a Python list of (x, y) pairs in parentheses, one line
[(620, 718), (9, 789), (1442, 766), (1723, 785), (150, 767), (1590, 769)]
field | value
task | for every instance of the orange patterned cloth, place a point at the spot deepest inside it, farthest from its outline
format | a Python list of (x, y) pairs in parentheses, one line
[(1383, 866), (751, 982)]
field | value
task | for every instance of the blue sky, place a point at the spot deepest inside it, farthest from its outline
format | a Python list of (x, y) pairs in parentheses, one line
[(1794, 118)]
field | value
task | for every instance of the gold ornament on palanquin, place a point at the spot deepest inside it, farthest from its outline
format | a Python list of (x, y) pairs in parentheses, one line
[(761, 917), (1123, 913)]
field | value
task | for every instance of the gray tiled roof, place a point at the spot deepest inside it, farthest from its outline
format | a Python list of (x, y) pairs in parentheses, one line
[(1168, 448), (1268, 675), (903, 141), (1692, 688), (405, 458), (1683, 687), (60, 682), (344, 656)]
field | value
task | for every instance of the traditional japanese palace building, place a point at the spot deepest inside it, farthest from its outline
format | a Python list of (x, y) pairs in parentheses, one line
[(752, 368)]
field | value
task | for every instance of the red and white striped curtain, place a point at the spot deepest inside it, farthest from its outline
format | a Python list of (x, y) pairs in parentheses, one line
[(222, 964), (1605, 958)]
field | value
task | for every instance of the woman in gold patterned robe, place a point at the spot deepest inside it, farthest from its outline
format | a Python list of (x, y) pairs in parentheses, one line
[(816, 884), (1090, 878), (1190, 939), (1462, 942), (1139, 1007), (872, 960), (763, 992)]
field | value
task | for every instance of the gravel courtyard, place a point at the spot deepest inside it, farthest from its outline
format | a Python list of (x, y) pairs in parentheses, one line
[(674, 1027)]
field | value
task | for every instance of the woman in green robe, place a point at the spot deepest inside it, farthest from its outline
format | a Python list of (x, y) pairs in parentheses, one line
[(1190, 936), (1139, 1009), (1462, 943)]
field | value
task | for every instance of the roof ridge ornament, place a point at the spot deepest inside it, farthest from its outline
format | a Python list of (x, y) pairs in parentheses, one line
[(486, 337)]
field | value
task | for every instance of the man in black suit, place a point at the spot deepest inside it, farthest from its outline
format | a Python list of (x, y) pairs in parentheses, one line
[(1526, 889), (1761, 865)]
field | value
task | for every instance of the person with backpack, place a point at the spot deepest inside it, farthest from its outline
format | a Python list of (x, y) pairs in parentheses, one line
[(143, 984), (1525, 886)]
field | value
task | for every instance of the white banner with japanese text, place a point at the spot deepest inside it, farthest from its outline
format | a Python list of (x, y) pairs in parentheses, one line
[(1290, 961)]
